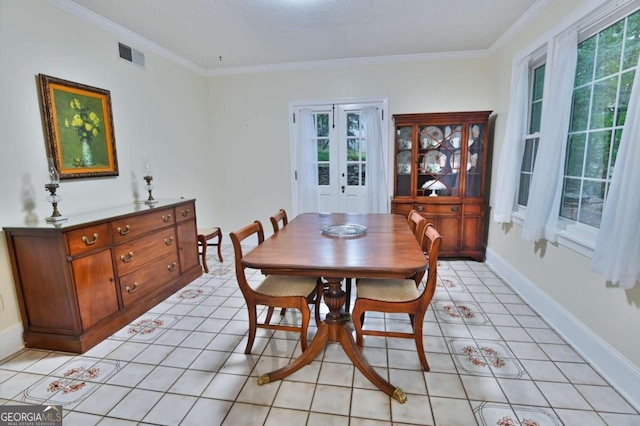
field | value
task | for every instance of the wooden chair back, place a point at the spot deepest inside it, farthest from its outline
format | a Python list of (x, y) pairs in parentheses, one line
[(432, 240), (417, 224), (236, 238), (281, 216)]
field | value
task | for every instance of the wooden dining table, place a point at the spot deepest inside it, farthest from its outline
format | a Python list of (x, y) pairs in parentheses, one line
[(388, 249)]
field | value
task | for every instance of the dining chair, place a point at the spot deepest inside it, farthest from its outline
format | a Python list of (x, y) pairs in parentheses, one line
[(276, 219), (399, 296), (282, 291), (279, 220), (417, 223)]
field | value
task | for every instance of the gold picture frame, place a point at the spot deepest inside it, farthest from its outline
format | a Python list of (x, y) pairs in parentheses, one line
[(79, 128)]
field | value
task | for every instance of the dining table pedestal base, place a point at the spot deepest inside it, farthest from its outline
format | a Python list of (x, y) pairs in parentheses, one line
[(335, 329)]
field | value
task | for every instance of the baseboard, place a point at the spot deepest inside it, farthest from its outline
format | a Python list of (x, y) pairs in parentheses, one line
[(12, 341), (614, 367)]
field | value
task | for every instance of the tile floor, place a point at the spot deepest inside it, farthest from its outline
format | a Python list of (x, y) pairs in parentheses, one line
[(493, 360)]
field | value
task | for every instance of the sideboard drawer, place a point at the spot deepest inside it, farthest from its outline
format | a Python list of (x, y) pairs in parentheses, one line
[(138, 253), (185, 212), (144, 281), (89, 238), (128, 228)]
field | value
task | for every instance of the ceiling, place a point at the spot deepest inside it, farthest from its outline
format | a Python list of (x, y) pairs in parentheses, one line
[(224, 36)]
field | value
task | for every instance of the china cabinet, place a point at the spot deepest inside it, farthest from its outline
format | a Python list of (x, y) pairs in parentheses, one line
[(442, 163), (81, 280)]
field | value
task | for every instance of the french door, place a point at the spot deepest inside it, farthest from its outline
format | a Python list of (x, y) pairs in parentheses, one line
[(341, 158)]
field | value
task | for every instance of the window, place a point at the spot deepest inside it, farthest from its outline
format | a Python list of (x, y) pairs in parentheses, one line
[(605, 70), (533, 134)]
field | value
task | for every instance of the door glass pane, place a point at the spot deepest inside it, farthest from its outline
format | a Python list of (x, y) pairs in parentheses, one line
[(353, 174), (323, 174), (322, 132), (353, 149), (353, 124)]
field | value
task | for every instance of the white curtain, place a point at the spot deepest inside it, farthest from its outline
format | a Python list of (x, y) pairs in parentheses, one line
[(307, 163), (508, 173), (543, 207), (617, 251), (375, 179)]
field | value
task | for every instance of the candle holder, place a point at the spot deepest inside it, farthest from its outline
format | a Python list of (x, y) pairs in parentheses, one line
[(52, 185), (148, 178), (149, 188)]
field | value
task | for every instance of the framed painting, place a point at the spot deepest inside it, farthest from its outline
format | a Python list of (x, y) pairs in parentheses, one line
[(79, 128)]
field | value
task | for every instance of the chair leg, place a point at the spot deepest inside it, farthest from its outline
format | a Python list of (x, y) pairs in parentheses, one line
[(283, 311), (347, 287), (220, 245), (417, 334), (318, 300), (252, 328), (357, 316), (203, 252), (306, 315), (267, 320)]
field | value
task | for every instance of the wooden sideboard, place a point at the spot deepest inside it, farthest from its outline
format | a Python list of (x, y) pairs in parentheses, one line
[(81, 280)]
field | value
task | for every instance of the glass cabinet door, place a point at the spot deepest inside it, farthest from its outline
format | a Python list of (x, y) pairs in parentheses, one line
[(439, 157), (475, 157), (404, 137)]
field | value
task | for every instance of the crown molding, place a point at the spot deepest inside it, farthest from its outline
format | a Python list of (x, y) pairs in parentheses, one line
[(519, 24), (120, 31), (350, 62)]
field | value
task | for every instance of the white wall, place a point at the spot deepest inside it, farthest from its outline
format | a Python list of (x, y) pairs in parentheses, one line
[(160, 112), (611, 315), (251, 119)]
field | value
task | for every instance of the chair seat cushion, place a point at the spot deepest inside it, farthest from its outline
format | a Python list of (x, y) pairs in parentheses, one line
[(208, 232), (287, 285), (388, 290)]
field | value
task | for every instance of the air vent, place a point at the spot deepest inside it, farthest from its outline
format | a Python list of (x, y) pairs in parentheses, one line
[(131, 55)]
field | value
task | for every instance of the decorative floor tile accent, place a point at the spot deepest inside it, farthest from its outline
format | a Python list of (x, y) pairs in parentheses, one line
[(457, 312), (489, 413), (146, 328), (485, 358), (72, 382), (191, 295), (451, 285)]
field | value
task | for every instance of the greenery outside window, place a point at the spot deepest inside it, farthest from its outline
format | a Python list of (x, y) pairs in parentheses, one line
[(605, 70)]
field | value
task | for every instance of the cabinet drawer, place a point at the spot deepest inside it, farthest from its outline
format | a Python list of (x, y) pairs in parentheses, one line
[(144, 281), (439, 208), (134, 226), (401, 208), (138, 253), (89, 238), (185, 212)]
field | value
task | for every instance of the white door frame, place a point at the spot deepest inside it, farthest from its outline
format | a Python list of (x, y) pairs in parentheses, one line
[(295, 105)]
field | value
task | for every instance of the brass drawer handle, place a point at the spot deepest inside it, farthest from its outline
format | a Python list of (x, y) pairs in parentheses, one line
[(126, 230), (166, 218), (168, 241), (172, 266), (133, 289), (90, 243), (420, 208), (127, 258), (185, 212), (455, 208)]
